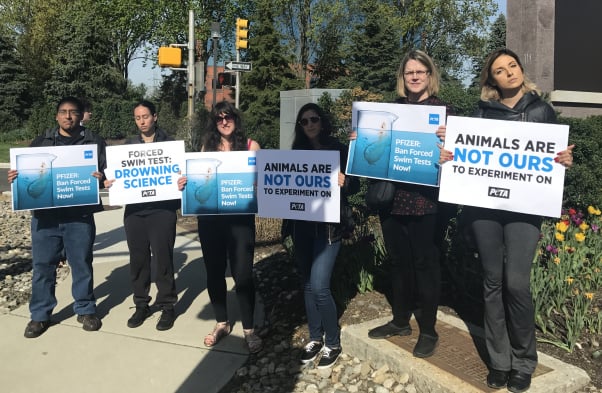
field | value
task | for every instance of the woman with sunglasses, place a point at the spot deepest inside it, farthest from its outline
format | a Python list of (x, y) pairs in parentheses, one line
[(317, 244), (413, 227), (228, 237)]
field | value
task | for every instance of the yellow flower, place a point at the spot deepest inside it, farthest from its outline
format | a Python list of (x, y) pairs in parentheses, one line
[(579, 237), (583, 226), (559, 236), (557, 260), (597, 270), (576, 291), (589, 295), (562, 226), (570, 280), (593, 211)]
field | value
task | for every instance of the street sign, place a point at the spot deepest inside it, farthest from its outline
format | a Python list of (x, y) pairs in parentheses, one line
[(238, 66)]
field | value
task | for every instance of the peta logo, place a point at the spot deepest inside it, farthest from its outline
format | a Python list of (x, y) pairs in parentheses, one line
[(499, 192), (433, 118), (149, 193), (251, 161), (88, 154), (298, 206)]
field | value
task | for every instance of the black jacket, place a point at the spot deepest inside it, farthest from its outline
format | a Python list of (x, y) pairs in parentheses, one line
[(145, 208), (529, 108), (51, 137)]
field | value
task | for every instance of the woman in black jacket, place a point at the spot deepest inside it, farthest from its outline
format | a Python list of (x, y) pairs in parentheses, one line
[(506, 240)]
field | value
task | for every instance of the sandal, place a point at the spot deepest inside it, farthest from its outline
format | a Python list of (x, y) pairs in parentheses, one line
[(221, 329), (254, 342)]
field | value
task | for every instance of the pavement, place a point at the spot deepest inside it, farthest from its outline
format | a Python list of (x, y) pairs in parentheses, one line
[(143, 360)]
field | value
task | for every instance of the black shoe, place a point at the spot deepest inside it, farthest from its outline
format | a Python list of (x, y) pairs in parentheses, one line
[(518, 382), (142, 312), (167, 319), (329, 357), (497, 379), (91, 322), (388, 330), (36, 329), (425, 346), (311, 350)]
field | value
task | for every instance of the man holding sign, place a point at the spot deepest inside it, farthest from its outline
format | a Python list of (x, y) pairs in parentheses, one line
[(70, 228)]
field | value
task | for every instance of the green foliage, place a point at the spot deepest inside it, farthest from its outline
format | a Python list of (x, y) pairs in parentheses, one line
[(42, 117), (113, 118), (583, 184), (463, 100), (14, 87)]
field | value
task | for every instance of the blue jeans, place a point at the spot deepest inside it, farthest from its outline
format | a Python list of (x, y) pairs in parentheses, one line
[(315, 260), (49, 235)]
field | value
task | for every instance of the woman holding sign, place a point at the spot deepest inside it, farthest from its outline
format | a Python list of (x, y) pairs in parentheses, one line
[(150, 230), (228, 237), (317, 244), (507, 241), (413, 227)]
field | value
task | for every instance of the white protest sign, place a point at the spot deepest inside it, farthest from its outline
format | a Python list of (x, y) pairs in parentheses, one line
[(54, 176), (220, 183), (507, 165), (299, 184), (144, 172), (396, 142)]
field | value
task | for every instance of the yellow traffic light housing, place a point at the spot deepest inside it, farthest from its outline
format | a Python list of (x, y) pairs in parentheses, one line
[(170, 56), (242, 33)]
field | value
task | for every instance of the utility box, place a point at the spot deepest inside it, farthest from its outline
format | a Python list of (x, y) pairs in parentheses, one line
[(290, 103), (170, 56)]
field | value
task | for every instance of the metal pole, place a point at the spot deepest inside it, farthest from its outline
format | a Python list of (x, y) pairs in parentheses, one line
[(214, 70), (190, 65), (237, 91)]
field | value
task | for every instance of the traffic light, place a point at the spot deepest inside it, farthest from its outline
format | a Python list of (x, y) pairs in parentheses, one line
[(170, 56), (242, 33)]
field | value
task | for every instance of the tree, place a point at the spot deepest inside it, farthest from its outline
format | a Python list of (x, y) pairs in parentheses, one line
[(14, 86), (272, 73)]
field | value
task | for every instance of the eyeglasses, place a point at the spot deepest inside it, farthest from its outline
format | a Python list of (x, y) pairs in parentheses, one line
[(419, 73), (227, 118), (305, 122), (73, 112)]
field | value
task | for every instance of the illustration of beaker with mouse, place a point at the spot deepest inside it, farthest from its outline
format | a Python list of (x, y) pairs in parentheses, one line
[(372, 151), (34, 183), (201, 188)]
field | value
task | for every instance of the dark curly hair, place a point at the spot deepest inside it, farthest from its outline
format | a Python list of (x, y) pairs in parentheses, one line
[(212, 137), (301, 141)]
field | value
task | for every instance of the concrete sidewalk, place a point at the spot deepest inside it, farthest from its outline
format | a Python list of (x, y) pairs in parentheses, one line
[(119, 359)]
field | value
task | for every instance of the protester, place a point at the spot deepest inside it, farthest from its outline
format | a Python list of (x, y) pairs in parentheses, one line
[(507, 241), (228, 237), (70, 228), (150, 229), (317, 244), (413, 228)]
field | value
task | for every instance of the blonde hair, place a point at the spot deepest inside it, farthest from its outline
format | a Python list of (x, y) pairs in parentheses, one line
[(425, 60), (489, 91)]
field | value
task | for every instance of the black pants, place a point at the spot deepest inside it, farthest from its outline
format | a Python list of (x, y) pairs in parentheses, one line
[(152, 231), (223, 238), (412, 243)]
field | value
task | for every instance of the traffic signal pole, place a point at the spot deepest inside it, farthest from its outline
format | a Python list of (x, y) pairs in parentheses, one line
[(190, 67)]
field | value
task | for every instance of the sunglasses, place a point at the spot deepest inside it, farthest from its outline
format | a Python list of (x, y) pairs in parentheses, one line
[(227, 118), (305, 122)]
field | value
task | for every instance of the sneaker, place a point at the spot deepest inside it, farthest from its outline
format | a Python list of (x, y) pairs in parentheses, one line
[(91, 322), (142, 312), (329, 357), (388, 330), (311, 351), (254, 342), (168, 317), (36, 328), (425, 346), (497, 379)]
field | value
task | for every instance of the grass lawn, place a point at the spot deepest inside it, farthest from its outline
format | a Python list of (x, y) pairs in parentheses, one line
[(5, 149)]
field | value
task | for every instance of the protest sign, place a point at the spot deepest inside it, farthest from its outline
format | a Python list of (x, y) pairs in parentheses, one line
[(395, 142), (299, 184), (144, 172), (54, 176), (507, 165), (220, 183)]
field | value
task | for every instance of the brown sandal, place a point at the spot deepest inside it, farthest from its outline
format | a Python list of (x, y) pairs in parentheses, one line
[(221, 329)]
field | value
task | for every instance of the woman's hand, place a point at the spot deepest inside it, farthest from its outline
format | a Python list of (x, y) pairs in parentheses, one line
[(565, 157), (444, 155), (441, 133), (353, 135), (12, 175), (182, 183), (108, 183), (341, 179)]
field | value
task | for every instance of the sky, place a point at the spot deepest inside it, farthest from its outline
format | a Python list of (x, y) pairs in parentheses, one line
[(150, 75)]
